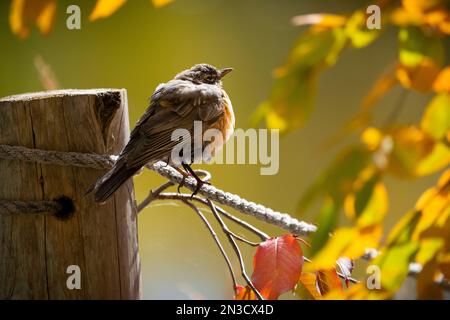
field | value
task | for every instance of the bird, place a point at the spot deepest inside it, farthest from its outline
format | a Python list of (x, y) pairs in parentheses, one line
[(195, 94)]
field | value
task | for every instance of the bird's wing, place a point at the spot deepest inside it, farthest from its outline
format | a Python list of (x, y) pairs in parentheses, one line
[(174, 105)]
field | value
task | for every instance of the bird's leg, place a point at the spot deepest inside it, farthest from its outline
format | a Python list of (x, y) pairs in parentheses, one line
[(200, 182), (184, 174), (168, 161)]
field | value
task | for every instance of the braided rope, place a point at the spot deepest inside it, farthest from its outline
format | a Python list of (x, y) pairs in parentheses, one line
[(96, 161), (83, 160)]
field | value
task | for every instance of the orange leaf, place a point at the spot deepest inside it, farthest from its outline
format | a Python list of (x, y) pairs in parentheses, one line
[(420, 77), (245, 293), (308, 281), (25, 13), (105, 8), (277, 266), (442, 82), (327, 281)]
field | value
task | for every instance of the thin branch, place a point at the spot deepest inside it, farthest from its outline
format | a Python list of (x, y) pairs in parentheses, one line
[(216, 239), (153, 195), (236, 249), (181, 196)]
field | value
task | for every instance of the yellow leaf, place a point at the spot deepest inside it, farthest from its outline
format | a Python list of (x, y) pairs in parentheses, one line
[(345, 242), (358, 33), (411, 146), (25, 13), (428, 249), (436, 119), (161, 3), (394, 264), (442, 82), (437, 159), (105, 8)]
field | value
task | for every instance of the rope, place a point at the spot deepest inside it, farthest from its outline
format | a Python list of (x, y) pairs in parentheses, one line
[(96, 161), (62, 207), (83, 160)]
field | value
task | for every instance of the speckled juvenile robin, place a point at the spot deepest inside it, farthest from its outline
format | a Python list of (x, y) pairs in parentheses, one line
[(195, 94)]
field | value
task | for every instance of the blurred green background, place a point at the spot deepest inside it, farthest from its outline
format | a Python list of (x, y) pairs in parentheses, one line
[(140, 46)]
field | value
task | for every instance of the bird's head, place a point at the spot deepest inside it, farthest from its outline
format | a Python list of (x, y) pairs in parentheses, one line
[(203, 73)]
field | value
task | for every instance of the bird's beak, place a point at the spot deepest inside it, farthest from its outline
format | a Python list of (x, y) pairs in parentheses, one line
[(224, 72)]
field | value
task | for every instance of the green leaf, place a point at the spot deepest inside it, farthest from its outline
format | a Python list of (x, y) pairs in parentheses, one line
[(436, 119), (326, 221), (394, 264), (415, 46), (293, 95)]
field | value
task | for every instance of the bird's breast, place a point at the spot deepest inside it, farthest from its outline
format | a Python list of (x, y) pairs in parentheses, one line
[(225, 124)]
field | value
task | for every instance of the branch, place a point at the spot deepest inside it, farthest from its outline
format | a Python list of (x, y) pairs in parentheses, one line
[(236, 249), (216, 239)]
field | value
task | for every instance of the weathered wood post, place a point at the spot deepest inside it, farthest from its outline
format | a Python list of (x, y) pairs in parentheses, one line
[(36, 250)]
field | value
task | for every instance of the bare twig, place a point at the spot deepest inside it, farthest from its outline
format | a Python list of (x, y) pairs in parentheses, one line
[(216, 239), (153, 195), (244, 224), (236, 249)]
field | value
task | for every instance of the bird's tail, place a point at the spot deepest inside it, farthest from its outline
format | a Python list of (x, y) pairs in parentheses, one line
[(111, 181)]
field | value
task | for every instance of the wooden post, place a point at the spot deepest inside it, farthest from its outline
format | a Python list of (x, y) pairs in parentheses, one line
[(37, 250)]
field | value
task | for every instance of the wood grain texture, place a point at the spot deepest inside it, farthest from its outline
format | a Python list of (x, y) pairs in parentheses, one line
[(35, 250)]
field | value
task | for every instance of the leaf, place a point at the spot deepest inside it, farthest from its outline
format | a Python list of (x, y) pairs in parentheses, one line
[(326, 221), (415, 47), (403, 229), (369, 204), (327, 281), (308, 280), (25, 13), (277, 266), (442, 82), (420, 77), (346, 242), (292, 97), (105, 8), (394, 264), (437, 159), (436, 119), (434, 207), (358, 33), (411, 147), (337, 180), (245, 293)]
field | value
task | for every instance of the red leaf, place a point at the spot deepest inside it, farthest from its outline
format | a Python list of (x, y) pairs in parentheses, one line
[(244, 293), (277, 266)]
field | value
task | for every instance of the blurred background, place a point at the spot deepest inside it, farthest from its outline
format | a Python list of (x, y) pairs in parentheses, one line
[(140, 46)]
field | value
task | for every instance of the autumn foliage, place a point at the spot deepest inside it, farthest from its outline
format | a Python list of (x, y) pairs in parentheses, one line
[(354, 181)]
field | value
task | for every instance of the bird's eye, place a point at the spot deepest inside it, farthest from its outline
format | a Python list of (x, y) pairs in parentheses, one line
[(210, 78)]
